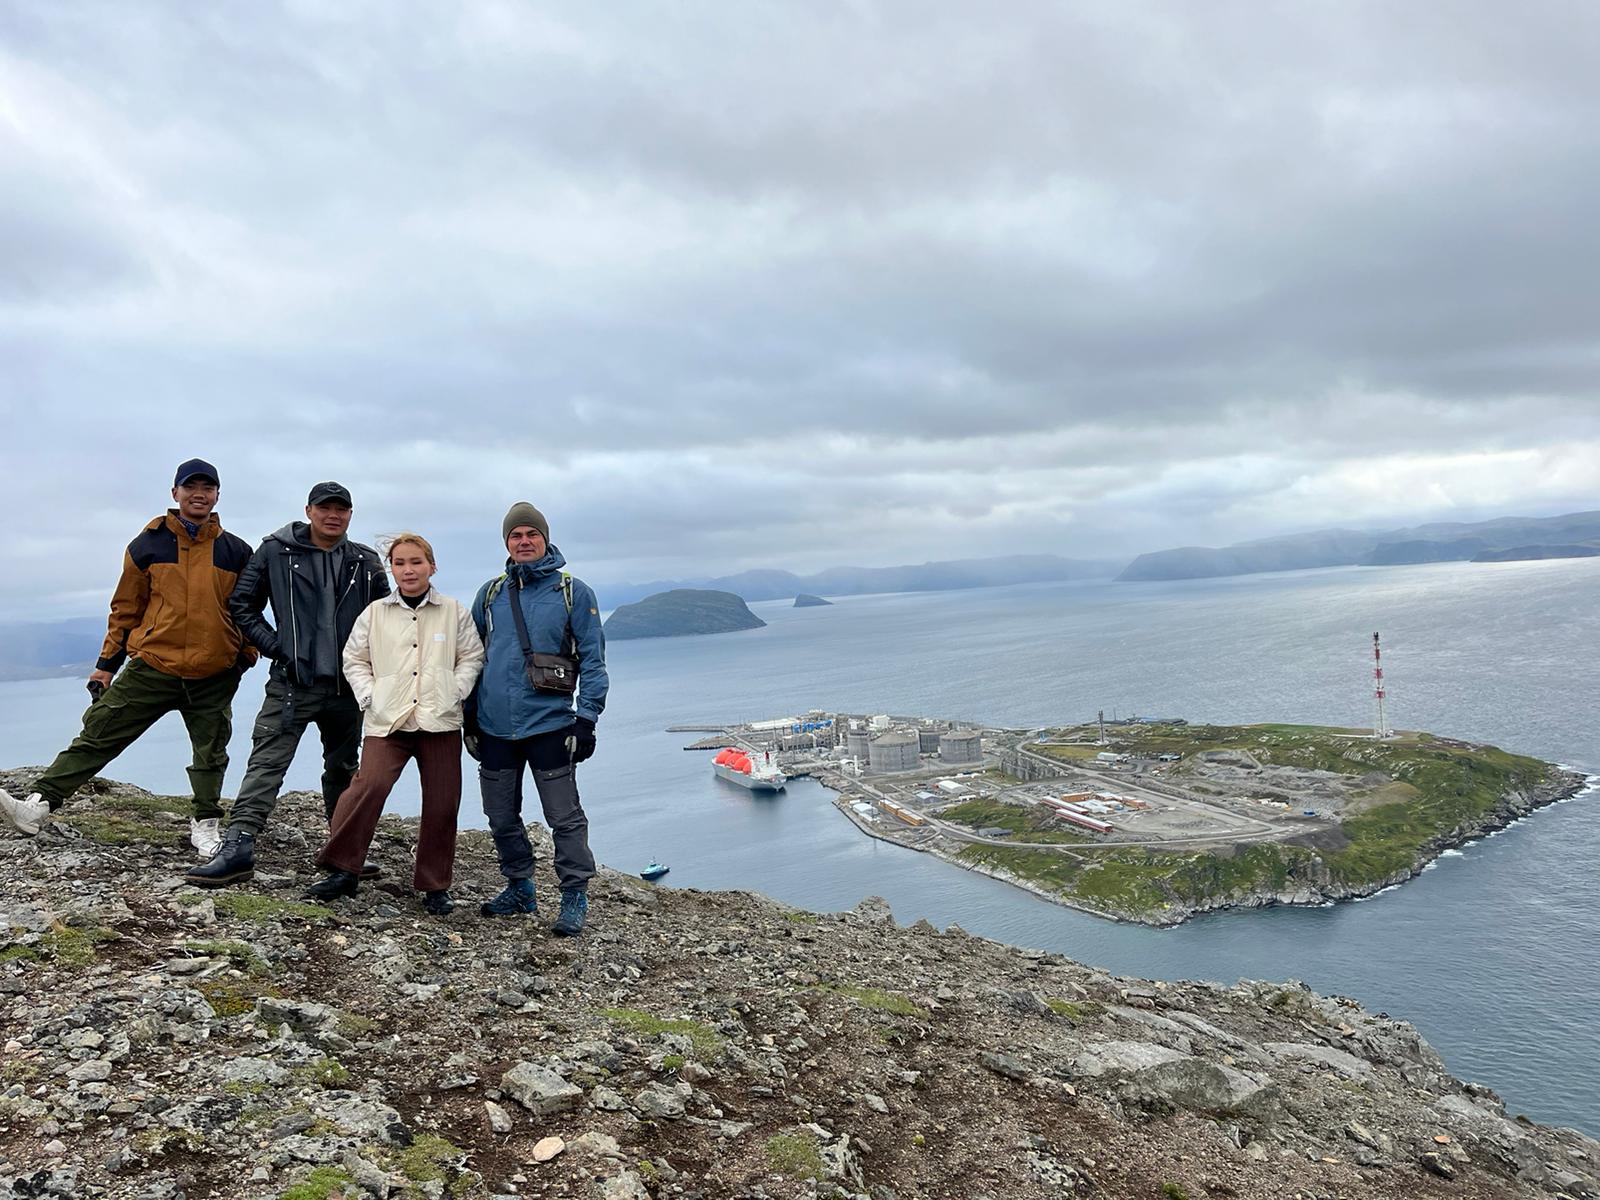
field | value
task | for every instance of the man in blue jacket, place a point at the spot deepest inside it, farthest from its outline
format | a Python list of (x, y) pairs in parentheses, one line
[(516, 724)]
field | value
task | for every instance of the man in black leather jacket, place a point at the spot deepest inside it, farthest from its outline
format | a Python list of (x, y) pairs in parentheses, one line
[(317, 582)]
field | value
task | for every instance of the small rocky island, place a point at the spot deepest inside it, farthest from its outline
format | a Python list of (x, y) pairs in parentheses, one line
[(807, 600), (246, 1045), (681, 612)]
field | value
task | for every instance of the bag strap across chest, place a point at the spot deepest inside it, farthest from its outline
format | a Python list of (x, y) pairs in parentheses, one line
[(515, 597)]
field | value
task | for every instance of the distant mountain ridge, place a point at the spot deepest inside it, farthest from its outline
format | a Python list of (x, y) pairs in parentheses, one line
[(46, 650), (855, 581), (1452, 541)]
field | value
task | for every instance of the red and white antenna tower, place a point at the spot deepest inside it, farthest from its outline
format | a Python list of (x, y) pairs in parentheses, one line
[(1379, 692)]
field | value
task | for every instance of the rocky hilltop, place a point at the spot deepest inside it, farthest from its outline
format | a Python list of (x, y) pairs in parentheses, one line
[(680, 613), (162, 1042)]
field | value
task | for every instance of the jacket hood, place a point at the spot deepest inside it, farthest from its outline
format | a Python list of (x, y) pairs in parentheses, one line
[(298, 533), (552, 562)]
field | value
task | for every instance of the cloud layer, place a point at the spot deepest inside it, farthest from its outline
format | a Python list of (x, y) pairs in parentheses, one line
[(776, 285)]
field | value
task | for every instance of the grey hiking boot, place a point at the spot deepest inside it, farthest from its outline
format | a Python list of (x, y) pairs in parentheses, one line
[(234, 862), (518, 898), (574, 909)]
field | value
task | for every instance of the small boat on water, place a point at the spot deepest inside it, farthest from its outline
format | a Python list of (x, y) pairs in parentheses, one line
[(758, 771), (654, 871)]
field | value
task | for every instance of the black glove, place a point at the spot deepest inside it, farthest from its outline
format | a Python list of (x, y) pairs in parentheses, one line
[(580, 739), (470, 733)]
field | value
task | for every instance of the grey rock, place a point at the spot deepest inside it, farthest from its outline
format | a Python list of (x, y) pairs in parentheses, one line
[(301, 1015), (872, 910), (660, 1103), (96, 1070), (607, 1100), (539, 1090), (1181, 1079), (602, 1144), (1001, 1064), (360, 1117), (626, 1186), (1345, 1064), (368, 1176), (499, 1119), (253, 1070), (289, 1126)]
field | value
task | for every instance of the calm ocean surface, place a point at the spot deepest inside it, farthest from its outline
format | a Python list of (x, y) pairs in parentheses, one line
[(1493, 953)]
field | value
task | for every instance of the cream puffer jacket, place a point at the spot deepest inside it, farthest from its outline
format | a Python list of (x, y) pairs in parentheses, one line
[(410, 668)]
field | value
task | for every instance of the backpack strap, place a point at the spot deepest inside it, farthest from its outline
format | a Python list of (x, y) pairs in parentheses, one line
[(495, 584), (566, 594)]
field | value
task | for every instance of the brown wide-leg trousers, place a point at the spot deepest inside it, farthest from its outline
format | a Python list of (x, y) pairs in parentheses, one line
[(355, 819)]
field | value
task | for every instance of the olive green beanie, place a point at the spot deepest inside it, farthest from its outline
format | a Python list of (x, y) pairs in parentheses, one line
[(523, 513)]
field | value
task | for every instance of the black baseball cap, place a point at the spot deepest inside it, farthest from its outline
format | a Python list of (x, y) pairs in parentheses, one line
[(322, 493), (189, 468)]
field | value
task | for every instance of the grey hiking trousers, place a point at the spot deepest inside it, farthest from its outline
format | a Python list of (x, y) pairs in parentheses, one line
[(500, 778)]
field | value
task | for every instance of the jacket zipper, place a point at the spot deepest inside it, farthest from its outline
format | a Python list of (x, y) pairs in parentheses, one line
[(294, 629)]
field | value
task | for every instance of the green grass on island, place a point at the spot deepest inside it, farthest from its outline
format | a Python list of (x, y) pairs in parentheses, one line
[(1440, 788)]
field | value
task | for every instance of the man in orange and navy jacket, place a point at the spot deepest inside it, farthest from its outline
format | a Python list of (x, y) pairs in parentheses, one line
[(183, 653)]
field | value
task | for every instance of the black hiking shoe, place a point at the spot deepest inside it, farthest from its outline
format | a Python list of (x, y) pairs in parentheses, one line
[(334, 885), (439, 903), (234, 862), (518, 898), (369, 870)]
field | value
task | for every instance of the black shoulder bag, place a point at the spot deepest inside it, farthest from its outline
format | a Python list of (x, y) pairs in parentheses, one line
[(546, 672)]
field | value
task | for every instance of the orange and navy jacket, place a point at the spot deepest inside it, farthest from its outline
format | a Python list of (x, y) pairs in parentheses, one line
[(170, 609)]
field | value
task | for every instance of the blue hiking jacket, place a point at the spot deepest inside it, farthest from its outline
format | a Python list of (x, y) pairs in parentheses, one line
[(505, 704)]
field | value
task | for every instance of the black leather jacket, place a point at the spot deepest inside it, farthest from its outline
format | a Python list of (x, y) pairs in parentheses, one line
[(281, 573)]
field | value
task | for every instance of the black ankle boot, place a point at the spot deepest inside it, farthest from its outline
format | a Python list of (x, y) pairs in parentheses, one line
[(439, 903), (234, 862), (339, 883)]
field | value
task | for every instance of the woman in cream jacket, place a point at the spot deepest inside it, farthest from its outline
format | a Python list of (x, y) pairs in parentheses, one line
[(411, 660)]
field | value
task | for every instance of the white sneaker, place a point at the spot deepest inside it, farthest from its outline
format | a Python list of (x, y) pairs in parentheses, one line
[(206, 837), (28, 816)]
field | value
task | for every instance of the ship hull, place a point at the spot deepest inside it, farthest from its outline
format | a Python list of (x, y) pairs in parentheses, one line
[(773, 783)]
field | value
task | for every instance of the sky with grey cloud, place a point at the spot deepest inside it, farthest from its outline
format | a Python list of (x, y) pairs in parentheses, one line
[(791, 284)]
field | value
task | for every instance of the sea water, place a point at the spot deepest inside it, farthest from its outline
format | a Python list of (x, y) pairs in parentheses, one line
[(1492, 952)]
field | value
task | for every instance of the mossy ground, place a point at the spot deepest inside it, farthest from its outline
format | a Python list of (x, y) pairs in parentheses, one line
[(73, 945), (125, 819), (252, 906), (796, 1155), (876, 998), (707, 1042)]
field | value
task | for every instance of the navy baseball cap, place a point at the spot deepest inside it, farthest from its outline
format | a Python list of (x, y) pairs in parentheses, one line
[(337, 493), (190, 468)]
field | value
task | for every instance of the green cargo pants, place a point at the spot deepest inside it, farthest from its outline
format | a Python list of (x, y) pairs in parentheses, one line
[(137, 698)]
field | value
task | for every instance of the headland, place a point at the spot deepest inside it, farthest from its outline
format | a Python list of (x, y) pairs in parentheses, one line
[(1156, 821)]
